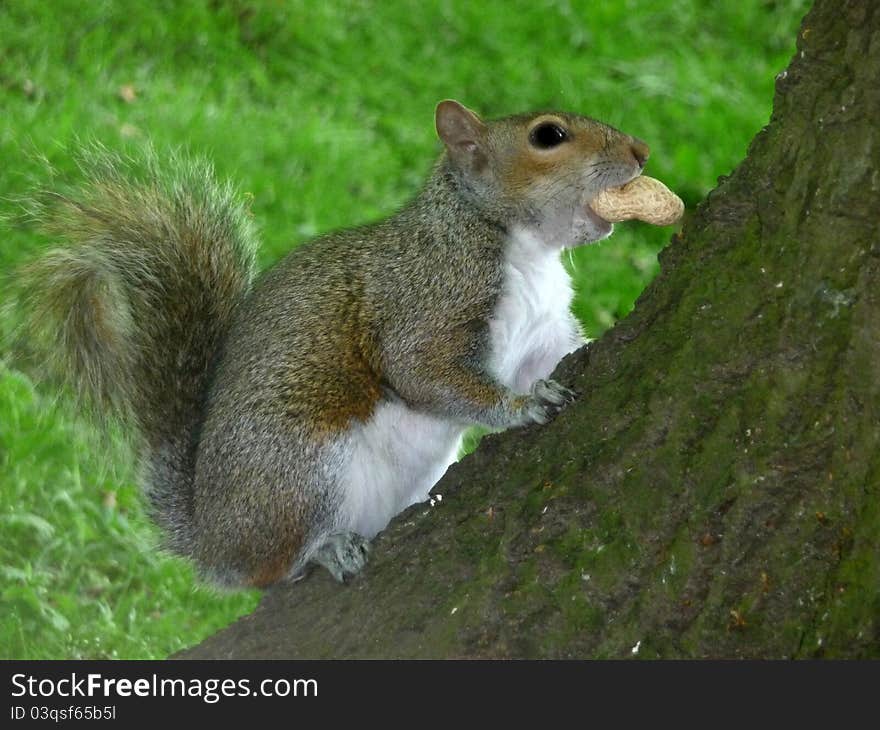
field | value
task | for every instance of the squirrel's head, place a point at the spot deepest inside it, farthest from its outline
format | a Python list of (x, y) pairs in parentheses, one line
[(539, 171)]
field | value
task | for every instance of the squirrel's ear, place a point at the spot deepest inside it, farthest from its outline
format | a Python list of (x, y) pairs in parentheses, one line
[(463, 133)]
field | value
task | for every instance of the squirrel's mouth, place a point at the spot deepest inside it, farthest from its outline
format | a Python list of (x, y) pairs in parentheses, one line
[(594, 217), (596, 227)]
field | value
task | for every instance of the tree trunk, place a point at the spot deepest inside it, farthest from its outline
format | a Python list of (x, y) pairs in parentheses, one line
[(714, 491)]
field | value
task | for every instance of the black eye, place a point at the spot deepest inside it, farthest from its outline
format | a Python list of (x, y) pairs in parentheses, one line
[(547, 135)]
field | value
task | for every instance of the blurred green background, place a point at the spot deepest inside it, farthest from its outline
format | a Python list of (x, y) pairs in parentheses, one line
[(324, 113)]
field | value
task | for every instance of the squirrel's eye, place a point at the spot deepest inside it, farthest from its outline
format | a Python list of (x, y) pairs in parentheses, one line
[(547, 135)]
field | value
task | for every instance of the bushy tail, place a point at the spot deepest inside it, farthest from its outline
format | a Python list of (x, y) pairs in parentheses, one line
[(135, 303)]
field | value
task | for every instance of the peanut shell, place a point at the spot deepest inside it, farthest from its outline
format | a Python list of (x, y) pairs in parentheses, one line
[(644, 199)]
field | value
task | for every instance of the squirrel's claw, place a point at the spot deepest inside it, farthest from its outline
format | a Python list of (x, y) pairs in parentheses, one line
[(548, 398)]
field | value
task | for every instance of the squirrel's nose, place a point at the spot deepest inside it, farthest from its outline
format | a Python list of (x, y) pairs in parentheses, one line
[(640, 151)]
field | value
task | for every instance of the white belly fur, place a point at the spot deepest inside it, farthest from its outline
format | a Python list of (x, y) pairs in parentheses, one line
[(395, 459), (532, 328), (392, 462)]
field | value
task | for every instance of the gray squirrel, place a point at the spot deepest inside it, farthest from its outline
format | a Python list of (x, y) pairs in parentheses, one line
[(283, 419)]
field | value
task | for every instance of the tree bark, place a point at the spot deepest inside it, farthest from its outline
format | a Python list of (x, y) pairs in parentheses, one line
[(714, 491)]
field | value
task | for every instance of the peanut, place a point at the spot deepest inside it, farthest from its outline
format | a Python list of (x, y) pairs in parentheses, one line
[(644, 199)]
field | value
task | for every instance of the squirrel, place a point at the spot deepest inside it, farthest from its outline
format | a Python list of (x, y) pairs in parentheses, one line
[(283, 419)]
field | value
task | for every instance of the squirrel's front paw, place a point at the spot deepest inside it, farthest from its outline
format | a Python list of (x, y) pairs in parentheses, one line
[(343, 554), (547, 399)]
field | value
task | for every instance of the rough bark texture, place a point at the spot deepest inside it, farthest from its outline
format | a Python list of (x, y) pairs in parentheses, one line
[(714, 492)]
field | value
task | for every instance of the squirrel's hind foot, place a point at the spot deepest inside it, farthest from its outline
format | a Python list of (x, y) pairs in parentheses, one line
[(343, 554)]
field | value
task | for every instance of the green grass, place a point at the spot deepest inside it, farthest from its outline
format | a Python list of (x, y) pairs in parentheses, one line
[(323, 111)]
